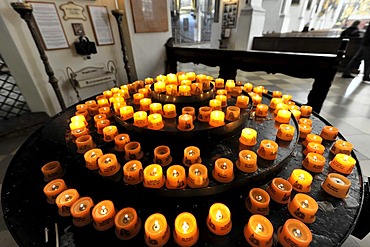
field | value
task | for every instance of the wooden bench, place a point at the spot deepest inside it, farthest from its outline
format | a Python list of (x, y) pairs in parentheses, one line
[(320, 67)]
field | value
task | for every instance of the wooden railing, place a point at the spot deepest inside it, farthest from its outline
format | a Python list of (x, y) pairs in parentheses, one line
[(320, 67)]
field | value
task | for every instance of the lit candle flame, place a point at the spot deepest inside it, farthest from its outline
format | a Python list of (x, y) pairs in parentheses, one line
[(175, 173), (281, 186), (224, 166), (126, 218), (122, 138), (248, 157), (154, 172), (314, 158), (103, 210), (197, 172), (156, 227), (108, 160), (54, 187), (82, 207), (258, 198), (191, 153), (301, 176), (259, 228), (68, 197), (297, 233), (268, 145), (133, 167), (345, 158), (305, 204), (93, 155), (219, 215), (185, 226)]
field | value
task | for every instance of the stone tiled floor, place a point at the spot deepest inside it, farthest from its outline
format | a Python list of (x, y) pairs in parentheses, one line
[(347, 107)]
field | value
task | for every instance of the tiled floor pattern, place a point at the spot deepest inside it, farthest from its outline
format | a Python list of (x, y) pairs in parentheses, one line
[(347, 107)]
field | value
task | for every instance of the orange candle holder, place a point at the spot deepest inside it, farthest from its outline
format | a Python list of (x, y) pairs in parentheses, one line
[(185, 83), (336, 185), (306, 111), (258, 90), (65, 200), (101, 124), (217, 118), (204, 114), (313, 147), (285, 132), (257, 99), (91, 158), (127, 223), (280, 190), (93, 109), (155, 121), (261, 110), (149, 80), (184, 90), (312, 138), (153, 176), (294, 233), (140, 119), (82, 107), (258, 201), (137, 97), (314, 162), (159, 87), (169, 111), (171, 89), (188, 110), (223, 99), (176, 177), (155, 108), (133, 172), (186, 232), (223, 170), (242, 101), (126, 112), (144, 91), (342, 147), (274, 102), (343, 163), (215, 104), (283, 116), (247, 161), (185, 122), (78, 129), (277, 94), (280, 106), (53, 189), (133, 151), (191, 156), (145, 104), (120, 141), (105, 110), (304, 130), (84, 114), (80, 211), (162, 155), (219, 83), (248, 87), (157, 231), (84, 144), (305, 121), (296, 113), (221, 92), (52, 170), (303, 207), (198, 176), (108, 165), (268, 150), (117, 107), (300, 180), (232, 113), (329, 133), (103, 215), (259, 231), (109, 133), (219, 219), (248, 137), (196, 88), (229, 85)]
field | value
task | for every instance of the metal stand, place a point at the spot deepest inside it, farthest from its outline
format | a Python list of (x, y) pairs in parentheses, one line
[(25, 11), (118, 15)]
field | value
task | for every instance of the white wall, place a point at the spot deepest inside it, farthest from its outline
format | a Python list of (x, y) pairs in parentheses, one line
[(272, 13)]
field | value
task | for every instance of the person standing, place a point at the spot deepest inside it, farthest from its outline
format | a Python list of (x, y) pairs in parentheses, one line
[(351, 31)]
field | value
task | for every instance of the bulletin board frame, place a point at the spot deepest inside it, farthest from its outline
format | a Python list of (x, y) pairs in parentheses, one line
[(100, 22)]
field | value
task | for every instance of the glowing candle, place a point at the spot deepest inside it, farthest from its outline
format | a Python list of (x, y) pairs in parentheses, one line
[(257, 99), (171, 79), (306, 111), (259, 231), (207, 83), (191, 156), (65, 200), (79, 119), (215, 104), (258, 90), (312, 138), (221, 92), (120, 141), (103, 215), (286, 98), (280, 190), (99, 117), (127, 223), (198, 176), (159, 87), (52, 170), (248, 87), (294, 233), (258, 201), (84, 143), (200, 77), (82, 107), (189, 110), (242, 101), (155, 121), (314, 162), (169, 111), (133, 172), (303, 207), (101, 124), (157, 231), (196, 88), (182, 77), (80, 211), (247, 161), (171, 90), (176, 177), (84, 114), (232, 113), (285, 132), (223, 99), (78, 129), (261, 110), (185, 83), (329, 133), (219, 83), (280, 106), (217, 118), (105, 110), (223, 170), (103, 103), (133, 151), (304, 130), (162, 155), (274, 102), (153, 176), (336, 185), (145, 92), (109, 133), (313, 147), (117, 106), (185, 122), (108, 94), (91, 158), (219, 219), (149, 80), (230, 84), (190, 75), (186, 231), (343, 163), (276, 94), (140, 119), (137, 98), (300, 180), (108, 165), (283, 116), (184, 90), (248, 137), (268, 150), (53, 189), (204, 113), (145, 104), (305, 121), (155, 108), (90, 102), (341, 146), (296, 113)]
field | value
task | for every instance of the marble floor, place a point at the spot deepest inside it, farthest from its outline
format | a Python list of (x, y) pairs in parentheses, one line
[(347, 107)]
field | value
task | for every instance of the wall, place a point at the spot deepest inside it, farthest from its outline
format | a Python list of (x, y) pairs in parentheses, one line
[(272, 13)]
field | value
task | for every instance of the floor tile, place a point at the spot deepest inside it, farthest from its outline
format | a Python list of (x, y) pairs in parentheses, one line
[(362, 124), (365, 168), (350, 242), (360, 143), (7, 240)]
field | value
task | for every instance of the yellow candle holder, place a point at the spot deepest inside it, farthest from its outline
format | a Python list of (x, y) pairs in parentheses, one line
[(162, 155), (268, 150), (185, 122), (109, 133), (186, 232), (171, 90), (127, 223), (133, 151), (329, 133), (261, 110), (153, 176), (204, 114), (53, 189), (248, 137), (191, 156), (219, 83), (294, 233), (52, 170), (303, 207), (277, 94), (300, 180), (137, 97), (305, 121), (248, 87), (84, 144), (155, 108), (258, 201), (120, 141), (232, 113), (259, 231), (215, 104), (198, 176), (223, 170), (314, 162), (159, 87), (242, 101), (283, 116), (219, 219), (80, 211), (247, 161), (342, 147), (155, 121), (126, 112), (157, 231), (280, 190), (169, 111), (343, 163), (91, 158), (184, 90), (217, 118), (101, 124), (274, 102), (140, 119), (221, 92), (176, 177), (65, 200), (145, 104), (108, 165), (285, 132), (336, 185), (103, 215)]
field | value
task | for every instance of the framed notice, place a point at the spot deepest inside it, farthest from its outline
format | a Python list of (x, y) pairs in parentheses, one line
[(230, 15), (149, 15), (101, 25), (49, 25)]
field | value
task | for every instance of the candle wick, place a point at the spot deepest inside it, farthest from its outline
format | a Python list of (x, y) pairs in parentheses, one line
[(154, 172), (314, 158), (248, 157), (259, 228), (54, 187), (175, 173), (122, 138), (305, 204), (82, 207), (93, 155), (68, 197), (156, 226), (297, 233), (133, 167), (103, 210), (126, 218), (219, 215), (281, 186), (197, 172), (301, 176), (185, 226), (191, 153), (224, 166), (258, 198), (107, 160)]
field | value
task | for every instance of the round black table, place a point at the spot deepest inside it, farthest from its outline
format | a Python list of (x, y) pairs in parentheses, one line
[(28, 215)]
